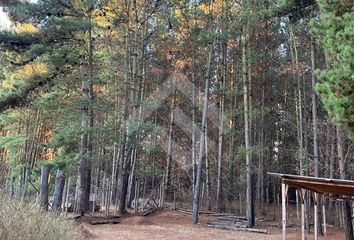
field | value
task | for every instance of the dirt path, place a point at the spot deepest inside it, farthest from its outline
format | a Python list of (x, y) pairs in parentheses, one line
[(176, 226)]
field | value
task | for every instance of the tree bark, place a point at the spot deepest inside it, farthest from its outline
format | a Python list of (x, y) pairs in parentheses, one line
[(43, 191), (124, 177), (315, 131), (221, 133), (58, 191), (201, 156), (347, 208), (83, 165), (207, 171), (194, 168), (249, 195), (169, 153)]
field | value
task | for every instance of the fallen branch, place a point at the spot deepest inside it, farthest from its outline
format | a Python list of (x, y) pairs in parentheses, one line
[(104, 221), (233, 218), (149, 211), (183, 211), (75, 217), (233, 228), (238, 225)]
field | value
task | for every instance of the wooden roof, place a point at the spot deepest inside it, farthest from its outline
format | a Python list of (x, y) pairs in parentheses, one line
[(331, 187)]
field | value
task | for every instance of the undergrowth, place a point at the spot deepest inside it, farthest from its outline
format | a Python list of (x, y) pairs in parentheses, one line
[(24, 221)]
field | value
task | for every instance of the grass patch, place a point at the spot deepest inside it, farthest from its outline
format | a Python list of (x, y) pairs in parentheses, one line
[(24, 221)]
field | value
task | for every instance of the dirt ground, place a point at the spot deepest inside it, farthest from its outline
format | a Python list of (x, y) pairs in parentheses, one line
[(172, 225)]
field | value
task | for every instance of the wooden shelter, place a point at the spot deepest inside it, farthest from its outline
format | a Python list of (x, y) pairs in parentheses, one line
[(321, 188)]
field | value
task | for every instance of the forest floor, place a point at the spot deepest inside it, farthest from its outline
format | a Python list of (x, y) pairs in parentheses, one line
[(174, 225)]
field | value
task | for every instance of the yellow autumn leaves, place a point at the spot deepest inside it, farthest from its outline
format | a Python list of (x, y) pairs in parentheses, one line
[(29, 70), (26, 28)]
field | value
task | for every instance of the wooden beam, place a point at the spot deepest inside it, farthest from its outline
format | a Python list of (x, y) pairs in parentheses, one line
[(323, 187), (312, 179), (284, 189)]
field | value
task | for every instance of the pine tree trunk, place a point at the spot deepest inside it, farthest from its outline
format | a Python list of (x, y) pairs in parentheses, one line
[(315, 131), (201, 156), (207, 171), (261, 154), (169, 154), (194, 165), (83, 167), (90, 115), (299, 105), (249, 195), (331, 165), (43, 191), (348, 225), (124, 177), (132, 179), (221, 134), (58, 191)]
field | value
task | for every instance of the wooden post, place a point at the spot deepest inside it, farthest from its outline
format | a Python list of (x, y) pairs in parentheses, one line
[(297, 203), (284, 189), (315, 215), (324, 217), (302, 199), (67, 197)]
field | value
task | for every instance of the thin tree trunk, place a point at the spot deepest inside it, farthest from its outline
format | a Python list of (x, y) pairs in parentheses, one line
[(132, 179), (91, 115), (194, 168), (348, 225), (123, 183), (221, 133), (261, 155), (169, 153), (207, 171), (201, 156), (83, 167), (249, 195), (67, 195), (315, 132), (331, 165)]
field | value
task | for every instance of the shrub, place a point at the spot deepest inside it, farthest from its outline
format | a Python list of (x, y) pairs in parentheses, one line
[(24, 221)]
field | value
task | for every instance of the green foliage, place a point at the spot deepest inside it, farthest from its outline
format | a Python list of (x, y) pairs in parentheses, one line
[(335, 32), (147, 169)]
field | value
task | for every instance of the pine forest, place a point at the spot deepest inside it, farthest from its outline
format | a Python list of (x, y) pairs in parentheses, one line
[(176, 119)]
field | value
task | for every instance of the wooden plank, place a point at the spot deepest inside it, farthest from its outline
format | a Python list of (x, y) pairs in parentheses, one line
[(342, 188), (313, 179), (322, 187)]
